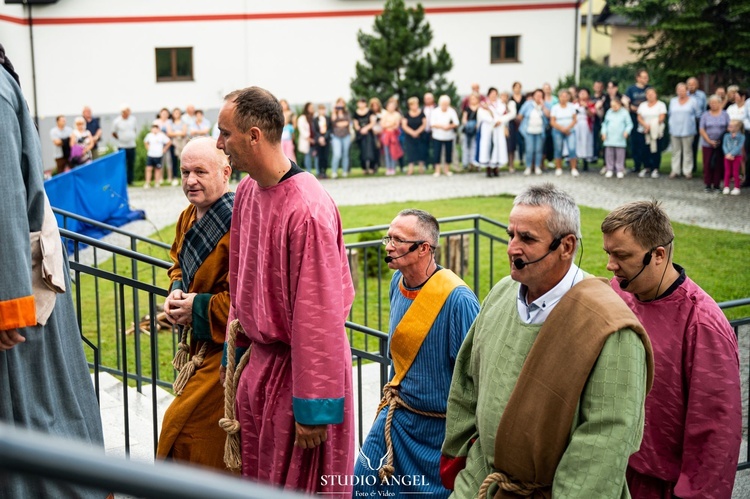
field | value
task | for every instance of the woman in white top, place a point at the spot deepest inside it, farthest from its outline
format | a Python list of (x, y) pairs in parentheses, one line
[(506, 119), (304, 138), (493, 147), (82, 138), (563, 119), (651, 116), (443, 121)]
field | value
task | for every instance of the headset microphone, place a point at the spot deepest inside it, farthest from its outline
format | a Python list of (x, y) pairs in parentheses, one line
[(520, 264), (412, 248), (646, 260)]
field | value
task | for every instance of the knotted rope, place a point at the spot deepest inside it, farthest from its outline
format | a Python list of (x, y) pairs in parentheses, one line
[(523, 489), (392, 399), (232, 453), (186, 367)]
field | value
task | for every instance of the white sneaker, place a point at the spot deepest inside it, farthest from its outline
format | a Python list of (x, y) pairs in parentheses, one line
[(620, 174), (175, 182), (725, 191), (550, 164), (655, 174), (527, 172), (735, 191), (574, 172), (603, 171), (537, 171), (642, 174), (334, 175), (608, 175), (558, 172), (146, 186)]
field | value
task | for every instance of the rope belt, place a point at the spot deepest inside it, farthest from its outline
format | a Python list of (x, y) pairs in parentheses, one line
[(232, 454), (523, 489), (392, 399), (186, 367)]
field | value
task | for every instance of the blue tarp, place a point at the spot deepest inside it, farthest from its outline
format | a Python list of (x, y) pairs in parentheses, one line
[(97, 191)]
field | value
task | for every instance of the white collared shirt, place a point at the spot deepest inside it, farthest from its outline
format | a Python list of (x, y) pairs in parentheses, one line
[(537, 311)]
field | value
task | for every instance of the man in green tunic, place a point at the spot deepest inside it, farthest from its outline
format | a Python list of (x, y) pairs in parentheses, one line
[(548, 390)]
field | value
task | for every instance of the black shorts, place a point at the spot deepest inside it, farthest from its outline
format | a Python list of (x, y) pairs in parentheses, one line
[(155, 162)]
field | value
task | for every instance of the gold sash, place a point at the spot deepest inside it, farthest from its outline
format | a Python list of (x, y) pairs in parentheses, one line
[(416, 323)]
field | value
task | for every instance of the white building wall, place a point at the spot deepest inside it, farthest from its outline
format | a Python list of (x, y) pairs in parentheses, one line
[(101, 53)]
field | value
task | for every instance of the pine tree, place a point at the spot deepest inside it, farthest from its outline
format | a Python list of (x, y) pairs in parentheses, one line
[(692, 38), (396, 58)]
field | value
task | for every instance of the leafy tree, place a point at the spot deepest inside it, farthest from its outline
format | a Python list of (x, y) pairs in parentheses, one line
[(396, 58), (691, 38), (624, 75)]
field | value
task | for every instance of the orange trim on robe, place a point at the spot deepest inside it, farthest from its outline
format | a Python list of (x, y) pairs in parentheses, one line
[(19, 312)]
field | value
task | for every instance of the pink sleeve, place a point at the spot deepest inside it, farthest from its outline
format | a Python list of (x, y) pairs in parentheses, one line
[(713, 419), (321, 296)]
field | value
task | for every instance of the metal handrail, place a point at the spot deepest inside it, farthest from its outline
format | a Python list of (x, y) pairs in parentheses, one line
[(99, 244), (459, 218), (111, 228), (43, 456)]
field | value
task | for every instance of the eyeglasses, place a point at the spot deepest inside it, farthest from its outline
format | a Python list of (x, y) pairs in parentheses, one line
[(397, 242)]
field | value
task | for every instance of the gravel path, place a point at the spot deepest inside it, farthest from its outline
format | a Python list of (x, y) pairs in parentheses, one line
[(684, 200)]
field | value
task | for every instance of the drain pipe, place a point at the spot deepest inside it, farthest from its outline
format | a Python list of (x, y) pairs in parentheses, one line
[(33, 62)]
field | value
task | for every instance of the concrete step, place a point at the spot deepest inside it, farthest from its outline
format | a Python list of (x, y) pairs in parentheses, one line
[(140, 423), (371, 395)]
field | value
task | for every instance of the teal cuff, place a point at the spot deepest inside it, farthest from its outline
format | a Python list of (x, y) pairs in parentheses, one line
[(238, 353), (318, 411), (201, 324), (175, 285)]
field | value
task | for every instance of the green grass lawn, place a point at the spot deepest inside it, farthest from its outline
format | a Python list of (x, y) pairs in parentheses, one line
[(710, 257)]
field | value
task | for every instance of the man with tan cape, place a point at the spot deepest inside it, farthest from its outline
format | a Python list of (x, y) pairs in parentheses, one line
[(431, 312), (548, 392), (199, 302)]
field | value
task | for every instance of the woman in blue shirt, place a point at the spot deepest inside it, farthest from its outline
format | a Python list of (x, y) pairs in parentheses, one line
[(683, 113)]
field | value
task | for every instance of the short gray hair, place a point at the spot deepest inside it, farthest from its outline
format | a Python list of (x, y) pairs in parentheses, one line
[(565, 217), (714, 97), (427, 225)]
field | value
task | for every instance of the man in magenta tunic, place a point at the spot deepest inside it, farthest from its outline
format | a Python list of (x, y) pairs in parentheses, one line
[(693, 426), (291, 291)]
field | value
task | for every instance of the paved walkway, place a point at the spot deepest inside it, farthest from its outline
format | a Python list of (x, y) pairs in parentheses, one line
[(684, 200)]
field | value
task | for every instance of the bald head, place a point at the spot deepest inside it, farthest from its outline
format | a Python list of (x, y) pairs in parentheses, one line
[(205, 148), (205, 173)]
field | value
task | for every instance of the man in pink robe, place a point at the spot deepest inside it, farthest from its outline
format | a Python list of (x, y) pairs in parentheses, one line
[(291, 290), (693, 426)]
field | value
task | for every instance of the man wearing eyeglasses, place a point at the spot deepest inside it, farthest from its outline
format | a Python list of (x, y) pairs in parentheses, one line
[(431, 311), (694, 413)]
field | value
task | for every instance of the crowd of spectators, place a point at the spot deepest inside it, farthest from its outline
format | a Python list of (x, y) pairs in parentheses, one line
[(536, 131)]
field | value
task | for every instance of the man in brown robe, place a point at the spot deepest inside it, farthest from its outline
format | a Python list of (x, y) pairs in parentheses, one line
[(199, 302)]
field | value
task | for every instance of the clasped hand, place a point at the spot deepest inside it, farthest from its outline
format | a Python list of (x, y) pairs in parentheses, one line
[(179, 307)]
